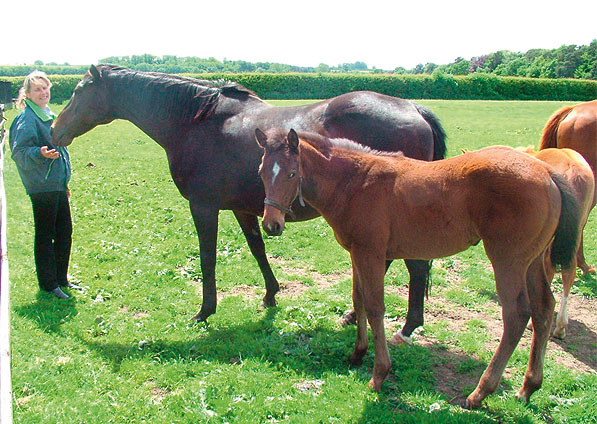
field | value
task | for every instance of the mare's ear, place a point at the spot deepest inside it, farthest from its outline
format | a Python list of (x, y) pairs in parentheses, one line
[(94, 72), (260, 137), (293, 141)]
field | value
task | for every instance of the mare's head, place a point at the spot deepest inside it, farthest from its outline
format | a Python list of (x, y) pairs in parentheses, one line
[(88, 107), (280, 173)]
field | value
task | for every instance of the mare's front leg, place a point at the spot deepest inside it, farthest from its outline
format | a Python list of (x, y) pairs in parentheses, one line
[(250, 227), (206, 223)]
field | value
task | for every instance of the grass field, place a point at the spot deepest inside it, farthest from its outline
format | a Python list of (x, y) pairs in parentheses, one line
[(125, 350)]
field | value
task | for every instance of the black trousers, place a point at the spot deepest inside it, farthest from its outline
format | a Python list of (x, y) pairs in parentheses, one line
[(53, 238)]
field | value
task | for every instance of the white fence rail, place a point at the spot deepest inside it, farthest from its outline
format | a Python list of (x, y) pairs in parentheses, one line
[(5, 380)]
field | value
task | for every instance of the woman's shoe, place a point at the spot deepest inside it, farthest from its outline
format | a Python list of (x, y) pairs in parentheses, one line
[(59, 293), (70, 285)]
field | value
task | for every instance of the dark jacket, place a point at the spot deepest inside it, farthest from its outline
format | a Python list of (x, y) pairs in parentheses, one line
[(27, 134)]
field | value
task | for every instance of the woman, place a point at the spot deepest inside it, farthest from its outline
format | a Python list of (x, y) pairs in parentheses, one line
[(45, 171)]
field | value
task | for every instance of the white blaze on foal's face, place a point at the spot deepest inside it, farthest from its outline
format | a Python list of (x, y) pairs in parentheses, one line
[(275, 172)]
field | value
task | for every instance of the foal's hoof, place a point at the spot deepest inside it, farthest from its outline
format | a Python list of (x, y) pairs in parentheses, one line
[(400, 339), (470, 404), (349, 318), (522, 396), (375, 385), (559, 333)]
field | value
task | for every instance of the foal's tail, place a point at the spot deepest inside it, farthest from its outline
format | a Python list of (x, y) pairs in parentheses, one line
[(568, 231), (550, 132), (439, 135)]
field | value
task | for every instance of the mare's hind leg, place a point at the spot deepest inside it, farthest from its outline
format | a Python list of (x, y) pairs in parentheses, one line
[(511, 289), (542, 305), (250, 226), (419, 279), (206, 223)]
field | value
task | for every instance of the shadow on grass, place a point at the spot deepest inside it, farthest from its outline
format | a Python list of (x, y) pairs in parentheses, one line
[(579, 342), (48, 312)]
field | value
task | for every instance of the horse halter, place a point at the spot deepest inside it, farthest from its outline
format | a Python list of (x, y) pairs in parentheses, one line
[(288, 210)]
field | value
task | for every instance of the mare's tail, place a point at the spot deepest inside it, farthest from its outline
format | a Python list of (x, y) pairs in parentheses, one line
[(439, 135), (569, 227), (550, 132)]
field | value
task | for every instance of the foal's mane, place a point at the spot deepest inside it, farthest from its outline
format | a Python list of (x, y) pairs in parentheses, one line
[(325, 145), (184, 99)]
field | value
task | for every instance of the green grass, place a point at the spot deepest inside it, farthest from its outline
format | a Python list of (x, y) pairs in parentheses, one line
[(125, 350)]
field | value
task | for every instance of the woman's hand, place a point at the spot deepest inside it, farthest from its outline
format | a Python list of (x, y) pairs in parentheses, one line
[(49, 153)]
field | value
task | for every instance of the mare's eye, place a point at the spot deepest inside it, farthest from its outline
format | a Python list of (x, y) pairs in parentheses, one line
[(292, 175)]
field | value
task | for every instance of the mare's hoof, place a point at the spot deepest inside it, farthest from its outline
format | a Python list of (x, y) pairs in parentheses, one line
[(269, 303), (201, 317), (400, 339), (349, 318)]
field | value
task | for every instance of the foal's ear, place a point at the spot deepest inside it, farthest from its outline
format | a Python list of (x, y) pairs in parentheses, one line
[(260, 137), (94, 73), (293, 141)]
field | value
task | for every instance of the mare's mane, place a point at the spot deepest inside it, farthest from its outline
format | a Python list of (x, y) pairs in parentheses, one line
[(183, 99)]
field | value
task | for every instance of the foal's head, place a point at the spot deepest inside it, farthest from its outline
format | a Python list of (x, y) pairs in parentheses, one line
[(280, 172)]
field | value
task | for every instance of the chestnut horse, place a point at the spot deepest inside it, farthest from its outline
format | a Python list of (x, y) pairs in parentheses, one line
[(387, 206), (575, 127), (577, 171), (207, 130)]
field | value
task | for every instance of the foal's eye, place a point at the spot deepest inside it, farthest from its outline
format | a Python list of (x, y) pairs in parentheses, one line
[(291, 175)]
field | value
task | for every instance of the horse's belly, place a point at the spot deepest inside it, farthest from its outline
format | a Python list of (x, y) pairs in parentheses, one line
[(429, 245)]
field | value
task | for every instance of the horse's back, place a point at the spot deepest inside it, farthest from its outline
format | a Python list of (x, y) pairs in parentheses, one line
[(511, 196), (578, 131), (381, 122), (577, 171)]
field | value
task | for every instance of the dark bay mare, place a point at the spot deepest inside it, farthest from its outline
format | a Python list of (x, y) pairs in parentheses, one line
[(207, 130), (386, 206)]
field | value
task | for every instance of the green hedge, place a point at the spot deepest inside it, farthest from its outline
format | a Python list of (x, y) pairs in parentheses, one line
[(437, 86)]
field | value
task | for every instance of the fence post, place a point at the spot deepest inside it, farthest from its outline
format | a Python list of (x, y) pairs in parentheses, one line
[(5, 379)]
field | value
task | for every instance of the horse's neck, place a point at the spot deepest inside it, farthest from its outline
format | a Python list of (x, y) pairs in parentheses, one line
[(321, 187), (148, 119)]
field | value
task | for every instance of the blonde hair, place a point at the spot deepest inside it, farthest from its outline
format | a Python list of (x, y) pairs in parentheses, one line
[(34, 77)]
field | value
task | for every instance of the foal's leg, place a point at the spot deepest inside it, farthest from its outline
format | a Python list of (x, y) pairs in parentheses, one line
[(350, 317), (362, 341), (568, 276), (542, 305), (370, 270), (511, 289), (206, 223), (582, 263), (250, 227)]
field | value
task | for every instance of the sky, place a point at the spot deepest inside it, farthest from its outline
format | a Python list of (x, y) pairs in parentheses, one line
[(384, 34)]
